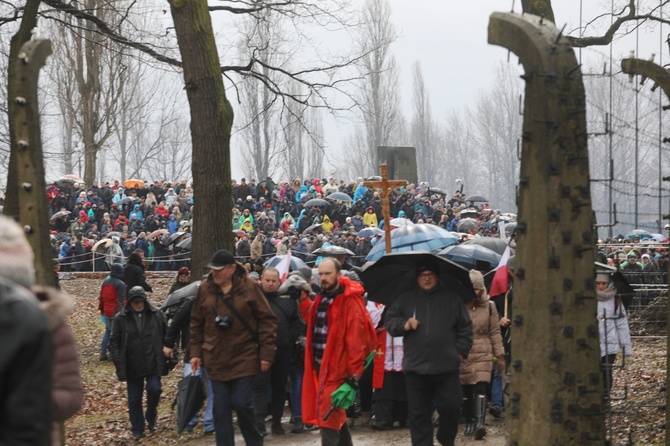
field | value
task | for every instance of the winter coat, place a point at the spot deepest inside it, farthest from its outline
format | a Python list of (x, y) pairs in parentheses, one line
[(289, 323), (67, 393), (370, 218), (180, 325), (256, 248), (487, 341), (243, 249), (133, 273), (232, 353), (25, 368), (137, 213), (613, 327), (112, 292), (351, 338), (444, 334), (138, 353)]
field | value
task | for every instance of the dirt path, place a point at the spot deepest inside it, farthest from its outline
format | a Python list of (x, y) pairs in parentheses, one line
[(365, 436)]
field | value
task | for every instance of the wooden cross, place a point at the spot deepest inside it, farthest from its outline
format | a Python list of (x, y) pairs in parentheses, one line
[(387, 188)]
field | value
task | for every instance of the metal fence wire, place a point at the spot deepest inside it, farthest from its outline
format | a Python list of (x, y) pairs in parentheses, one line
[(635, 410)]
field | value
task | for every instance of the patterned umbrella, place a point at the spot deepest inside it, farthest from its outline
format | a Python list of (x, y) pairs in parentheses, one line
[(419, 237)]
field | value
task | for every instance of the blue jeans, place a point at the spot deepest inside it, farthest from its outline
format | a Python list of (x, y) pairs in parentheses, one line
[(237, 394), (296, 391), (208, 421), (496, 388), (135, 390), (105, 337)]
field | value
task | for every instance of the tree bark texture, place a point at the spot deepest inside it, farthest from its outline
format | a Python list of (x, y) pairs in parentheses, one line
[(33, 211), (28, 23), (211, 123), (540, 8), (556, 388)]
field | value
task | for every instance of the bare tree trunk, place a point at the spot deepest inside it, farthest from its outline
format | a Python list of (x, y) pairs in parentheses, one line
[(28, 22), (211, 123)]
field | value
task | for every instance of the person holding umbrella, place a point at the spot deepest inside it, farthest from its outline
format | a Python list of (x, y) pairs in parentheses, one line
[(340, 336), (437, 336)]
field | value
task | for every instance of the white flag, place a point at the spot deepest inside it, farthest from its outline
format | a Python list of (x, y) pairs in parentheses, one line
[(284, 266)]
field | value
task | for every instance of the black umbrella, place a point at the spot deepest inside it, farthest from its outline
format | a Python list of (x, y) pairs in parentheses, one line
[(475, 198), (190, 398), (395, 273), (470, 213), (435, 190), (174, 237), (311, 228), (494, 244), (179, 296), (127, 200), (465, 224), (318, 202), (332, 250), (339, 196), (623, 288), (185, 244)]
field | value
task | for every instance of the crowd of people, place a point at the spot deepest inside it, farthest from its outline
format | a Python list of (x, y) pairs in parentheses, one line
[(268, 218), (253, 336)]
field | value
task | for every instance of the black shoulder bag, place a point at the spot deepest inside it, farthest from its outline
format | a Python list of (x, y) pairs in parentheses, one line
[(252, 332)]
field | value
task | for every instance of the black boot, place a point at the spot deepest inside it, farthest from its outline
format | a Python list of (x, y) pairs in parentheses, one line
[(469, 415), (480, 416), (469, 427), (298, 426)]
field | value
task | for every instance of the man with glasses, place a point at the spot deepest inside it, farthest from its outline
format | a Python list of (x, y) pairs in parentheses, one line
[(437, 334)]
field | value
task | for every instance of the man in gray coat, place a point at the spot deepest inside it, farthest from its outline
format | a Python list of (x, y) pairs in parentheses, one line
[(437, 333)]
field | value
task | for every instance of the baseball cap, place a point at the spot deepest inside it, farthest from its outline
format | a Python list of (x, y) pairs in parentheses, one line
[(220, 259)]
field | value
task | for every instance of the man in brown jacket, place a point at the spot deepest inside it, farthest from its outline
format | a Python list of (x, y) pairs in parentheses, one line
[(233, 334)]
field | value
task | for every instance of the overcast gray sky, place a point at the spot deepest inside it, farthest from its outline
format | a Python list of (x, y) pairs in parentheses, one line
[(450, 39)]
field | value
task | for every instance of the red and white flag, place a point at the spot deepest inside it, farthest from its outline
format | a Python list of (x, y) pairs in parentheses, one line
[(284, 266), (500, 282)]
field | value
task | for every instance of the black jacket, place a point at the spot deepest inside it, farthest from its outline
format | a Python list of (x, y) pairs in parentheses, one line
[(289, 324), (25, 368), (180, 325), (137, 353), (444, 333), (133, 273)]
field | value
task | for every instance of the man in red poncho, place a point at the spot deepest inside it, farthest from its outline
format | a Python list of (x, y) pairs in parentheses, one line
[(340, 335)]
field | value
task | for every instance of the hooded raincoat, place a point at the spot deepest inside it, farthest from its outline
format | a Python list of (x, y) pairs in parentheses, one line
[(351, 338)]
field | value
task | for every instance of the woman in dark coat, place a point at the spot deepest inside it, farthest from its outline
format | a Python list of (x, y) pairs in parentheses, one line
[(133, 273)]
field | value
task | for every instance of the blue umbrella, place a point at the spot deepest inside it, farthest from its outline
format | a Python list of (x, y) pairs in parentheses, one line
[(295, 262), (370, 232), (641, 233), (419, 237), (472, 256)]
